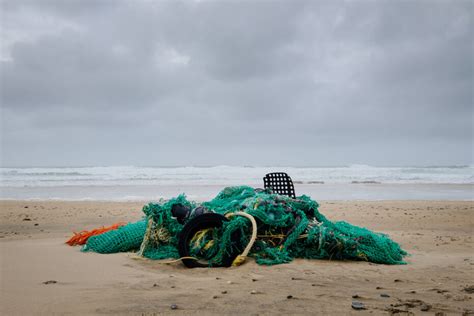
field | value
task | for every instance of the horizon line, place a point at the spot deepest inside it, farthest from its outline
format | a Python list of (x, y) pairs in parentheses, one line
[(246, 166)]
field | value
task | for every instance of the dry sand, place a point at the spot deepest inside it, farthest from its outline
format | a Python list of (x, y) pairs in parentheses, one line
[(438, 277)]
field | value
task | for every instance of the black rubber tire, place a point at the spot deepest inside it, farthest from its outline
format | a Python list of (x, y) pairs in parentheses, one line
[(207, 220)]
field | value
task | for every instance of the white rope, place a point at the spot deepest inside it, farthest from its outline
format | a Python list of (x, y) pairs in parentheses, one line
[(146, 238), (241, 258)]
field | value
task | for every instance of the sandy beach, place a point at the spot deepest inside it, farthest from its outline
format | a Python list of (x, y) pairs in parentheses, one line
[(42, 275), (363, 106)]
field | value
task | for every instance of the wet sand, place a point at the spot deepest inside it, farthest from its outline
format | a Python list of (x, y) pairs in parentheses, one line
[(438, 277), (357, 191)]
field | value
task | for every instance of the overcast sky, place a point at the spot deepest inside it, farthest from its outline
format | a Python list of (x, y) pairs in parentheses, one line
[(304, 83)]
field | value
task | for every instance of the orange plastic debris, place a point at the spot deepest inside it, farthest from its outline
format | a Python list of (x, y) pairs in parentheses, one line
[(81, 238)]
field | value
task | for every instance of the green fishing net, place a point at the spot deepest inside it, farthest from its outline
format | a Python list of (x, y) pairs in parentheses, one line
[(125, 238), (287, 228)]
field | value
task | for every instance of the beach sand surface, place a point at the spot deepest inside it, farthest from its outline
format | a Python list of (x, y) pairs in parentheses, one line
[(41, 275)]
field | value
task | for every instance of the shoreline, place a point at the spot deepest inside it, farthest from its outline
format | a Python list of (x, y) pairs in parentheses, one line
[(336, 192), (437, 235)]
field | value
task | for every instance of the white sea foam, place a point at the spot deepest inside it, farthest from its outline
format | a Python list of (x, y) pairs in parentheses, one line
[(229, 175), (129, 183)]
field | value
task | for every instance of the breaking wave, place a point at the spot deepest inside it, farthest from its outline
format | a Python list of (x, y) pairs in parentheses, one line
[(230, 175)]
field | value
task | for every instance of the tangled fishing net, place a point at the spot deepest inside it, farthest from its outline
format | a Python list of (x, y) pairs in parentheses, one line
[(287, 228)]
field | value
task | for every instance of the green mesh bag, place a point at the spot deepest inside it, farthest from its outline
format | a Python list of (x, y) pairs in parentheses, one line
[(125, 238)]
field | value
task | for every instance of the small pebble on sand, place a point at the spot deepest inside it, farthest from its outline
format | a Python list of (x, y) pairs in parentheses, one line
[(289, 297), (50, 282), (174, 306), (425, 307), (384, 295), (224, 292), (469, 289), (358, 305)]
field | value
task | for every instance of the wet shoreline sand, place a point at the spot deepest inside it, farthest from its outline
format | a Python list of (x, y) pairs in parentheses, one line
[(361, 191)]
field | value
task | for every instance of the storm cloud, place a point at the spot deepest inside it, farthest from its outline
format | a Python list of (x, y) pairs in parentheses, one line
[(236, 82)]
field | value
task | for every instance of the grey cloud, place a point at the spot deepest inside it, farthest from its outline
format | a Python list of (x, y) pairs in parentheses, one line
[(172, 83)]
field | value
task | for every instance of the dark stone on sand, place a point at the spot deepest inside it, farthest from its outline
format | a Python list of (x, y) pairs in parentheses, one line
[(174, 306), (358, 305), (384, 295), (254, 280), (224, 292), (36, 224), (289, 297), (397, 280), (26, 206), (27, 219), (155, 285), (425, 307), (440, 314), (50, 282), (379, 288), (469, 289), (355, 296)]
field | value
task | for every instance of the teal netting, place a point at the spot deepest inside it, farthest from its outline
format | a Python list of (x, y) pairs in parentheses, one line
[(125, 238), (287, 228)]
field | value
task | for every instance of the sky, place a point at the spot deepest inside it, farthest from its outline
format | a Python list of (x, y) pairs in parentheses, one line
[(288, 83)]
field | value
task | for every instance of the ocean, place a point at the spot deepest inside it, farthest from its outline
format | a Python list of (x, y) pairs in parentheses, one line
[(354, 182)]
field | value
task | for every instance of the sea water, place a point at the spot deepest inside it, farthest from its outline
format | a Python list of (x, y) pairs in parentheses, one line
[(359, 182)]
